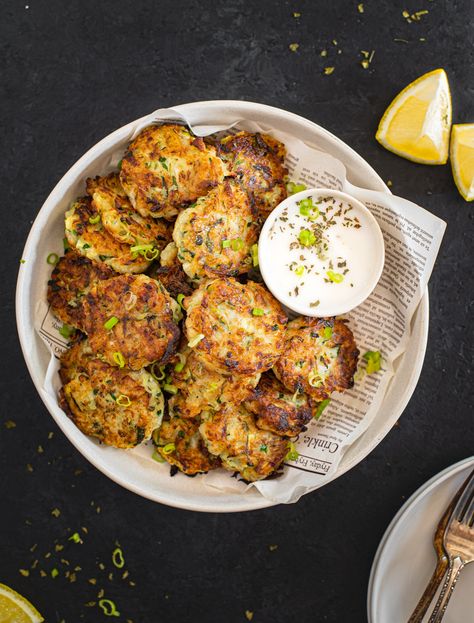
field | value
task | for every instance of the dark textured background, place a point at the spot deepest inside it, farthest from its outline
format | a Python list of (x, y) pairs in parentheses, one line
[(71, 73)]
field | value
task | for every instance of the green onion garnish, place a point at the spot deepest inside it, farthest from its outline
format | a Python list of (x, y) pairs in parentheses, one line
[(226, 244), (65, 244), (299, 270), (66, 331), (161, 372), (52, 259), (334, 277), (258, 311), (110, 323), (75, 538), (322, 405), (179, 366), (169, 448), (306, 237), (109, 608), (327, 333), (148, 251), (119, 359), (374, 361), (93, 220), (195, 340), (254, 251), (293, 453), (157, 457), (237, 244), (117, 558), (123, 401), (171, 389), (294, 188), (263, 447), (119, 165), (180, 298), (54, 573), (314, 379)]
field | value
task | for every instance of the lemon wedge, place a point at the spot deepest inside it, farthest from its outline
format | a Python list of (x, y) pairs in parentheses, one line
[(16, 609), (416, 125), (462, 158)]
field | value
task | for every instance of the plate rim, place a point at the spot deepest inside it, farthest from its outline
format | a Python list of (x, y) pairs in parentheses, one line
[(416, 496), (256, 501)]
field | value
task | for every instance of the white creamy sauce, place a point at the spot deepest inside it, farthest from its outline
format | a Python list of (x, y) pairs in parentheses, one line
[(319, 254)]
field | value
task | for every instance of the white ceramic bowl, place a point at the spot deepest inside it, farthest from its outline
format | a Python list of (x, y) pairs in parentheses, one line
[(132, 469)]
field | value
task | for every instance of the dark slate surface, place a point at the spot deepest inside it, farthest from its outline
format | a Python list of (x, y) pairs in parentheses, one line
[(71, 73)]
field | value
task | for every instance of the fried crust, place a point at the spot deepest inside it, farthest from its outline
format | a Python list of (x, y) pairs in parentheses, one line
[(166, 167), (145, 332), (242, 326), (70, 281), (119, 217), (170, 272), (319, 357), (94, 242), (200, 388), (278, 410), (189, 453), (119, 407), (231, 434), (223, 217), (258, 161)]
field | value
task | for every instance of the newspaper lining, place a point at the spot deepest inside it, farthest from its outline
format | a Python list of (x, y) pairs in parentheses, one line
[(412, 239)]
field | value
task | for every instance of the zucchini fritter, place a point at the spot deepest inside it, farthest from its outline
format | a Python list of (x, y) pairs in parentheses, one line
[(130, 321), (70, 281), (319, 357), (180, 443), (167, 167), (214, 236), (235, 328), (120, 219), (200, 388), (87, 235), (232, 435), (278, 410), (119, 407), (258, 161), (171, 273)]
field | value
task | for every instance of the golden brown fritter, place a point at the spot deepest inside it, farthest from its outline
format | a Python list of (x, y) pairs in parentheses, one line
[(129, 321), (319, 357), (258, 161), (278, 410), (121, 220), (166, 167), (87, 235), (170, 272), (200, 388), (235, 328), (232, 435), (214, 237), (179, 442), (70, 281), (119, 407)]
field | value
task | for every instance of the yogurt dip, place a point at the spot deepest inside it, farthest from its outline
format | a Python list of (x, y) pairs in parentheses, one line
[(321, 252)]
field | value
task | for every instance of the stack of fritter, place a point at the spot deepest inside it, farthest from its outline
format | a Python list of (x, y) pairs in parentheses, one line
[(241, 381)]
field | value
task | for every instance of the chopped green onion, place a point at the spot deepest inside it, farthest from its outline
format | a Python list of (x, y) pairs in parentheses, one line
[(195, 340), (374, 361), (93, 220), (169, 448), (226, 244), (179, 366), (171, 389), (314, 379), (54, 573), (162, 160), (306, 237), (294, 188), (299, 270), (180, 298), (322, 405), (156, 456), (258, 311), (119, 359), (109, 608), (66, 331), (161, 372), (123, 401), (293, 453), (75, 538), (264, 447), (335, 277), (148, 251), (52, 259), (117, 558), (306, 206), (327, 333), (65, 244), (110, 323), (254, 252), (237, 244)]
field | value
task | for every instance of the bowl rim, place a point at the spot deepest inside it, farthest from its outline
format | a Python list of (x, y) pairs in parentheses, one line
[(247, 502)]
